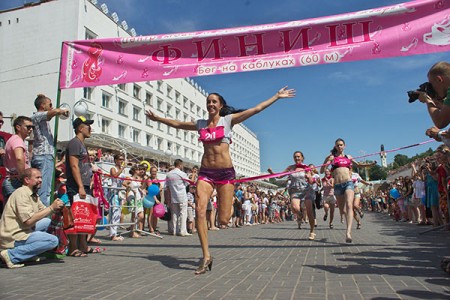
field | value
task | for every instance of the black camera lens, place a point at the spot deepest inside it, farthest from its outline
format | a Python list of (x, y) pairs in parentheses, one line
[(413, 96), (425, 87)]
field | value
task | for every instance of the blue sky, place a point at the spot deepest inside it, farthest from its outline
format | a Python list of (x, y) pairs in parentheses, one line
[(364, 102)]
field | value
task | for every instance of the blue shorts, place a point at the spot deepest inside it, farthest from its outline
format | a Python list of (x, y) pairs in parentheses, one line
[(340, 188)]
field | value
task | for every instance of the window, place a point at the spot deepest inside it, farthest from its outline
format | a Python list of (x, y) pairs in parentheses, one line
[(136, 134), (159, 105), (160, 126), (105, 125), (89, 35), (199, 111), (148, 122), (149, 83), (177, 97), (136, 91), (177, 114), (159, 142), (106, 100), (169, 91), (192, 107), (186, 136), (136, 113), (186, 118), (179, 133), (148, 140), (169, 146), (122, 107), (159, 84), (149, 98), (185, 102), (122, 130), (87, 93), (169, 130), (122, 86), (169, 111)]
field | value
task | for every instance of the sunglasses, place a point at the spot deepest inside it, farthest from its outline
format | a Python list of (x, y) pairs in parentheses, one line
[(30, 127)]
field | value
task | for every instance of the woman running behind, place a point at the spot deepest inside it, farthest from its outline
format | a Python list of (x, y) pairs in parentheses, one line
[(216, 170), (341, 166), (301, 190)]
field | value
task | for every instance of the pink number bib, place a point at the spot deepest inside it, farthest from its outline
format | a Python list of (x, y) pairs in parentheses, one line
[(211, 135)]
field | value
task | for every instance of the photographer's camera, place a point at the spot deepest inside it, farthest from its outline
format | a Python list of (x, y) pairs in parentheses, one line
[(425, 87)]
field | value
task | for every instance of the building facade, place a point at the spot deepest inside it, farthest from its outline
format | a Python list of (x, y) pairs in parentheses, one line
[(30, 47)]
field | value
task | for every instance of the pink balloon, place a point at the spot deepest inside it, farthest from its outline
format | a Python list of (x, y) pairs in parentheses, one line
[(159, 210)]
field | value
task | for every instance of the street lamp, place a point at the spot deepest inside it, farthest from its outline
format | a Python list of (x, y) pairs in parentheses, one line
[(80, 108)]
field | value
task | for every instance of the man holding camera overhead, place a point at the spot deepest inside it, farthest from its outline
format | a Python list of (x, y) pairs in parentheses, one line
[(43, 150), (438, 108)]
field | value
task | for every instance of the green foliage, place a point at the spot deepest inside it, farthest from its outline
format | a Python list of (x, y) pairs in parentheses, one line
[(377, 173), (401, 160)]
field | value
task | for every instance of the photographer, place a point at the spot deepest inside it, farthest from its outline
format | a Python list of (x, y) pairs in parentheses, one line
[(439, 105)]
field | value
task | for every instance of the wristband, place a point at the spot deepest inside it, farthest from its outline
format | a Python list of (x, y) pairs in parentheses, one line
[(439, 134)]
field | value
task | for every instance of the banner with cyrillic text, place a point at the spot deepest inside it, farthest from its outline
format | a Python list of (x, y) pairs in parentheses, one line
[(411, 28)]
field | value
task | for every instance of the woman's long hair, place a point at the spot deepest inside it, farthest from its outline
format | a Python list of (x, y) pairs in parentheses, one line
[(226, 109)]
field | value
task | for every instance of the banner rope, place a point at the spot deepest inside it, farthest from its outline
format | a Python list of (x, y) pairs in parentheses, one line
[(267, 176)]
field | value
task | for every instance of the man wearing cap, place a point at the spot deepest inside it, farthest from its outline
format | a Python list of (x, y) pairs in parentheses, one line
[(43, 149), (78, 173)]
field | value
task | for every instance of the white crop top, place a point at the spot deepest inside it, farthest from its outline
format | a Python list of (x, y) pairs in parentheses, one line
[(222, 133)]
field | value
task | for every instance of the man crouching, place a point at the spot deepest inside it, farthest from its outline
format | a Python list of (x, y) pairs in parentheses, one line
[(24, 224)]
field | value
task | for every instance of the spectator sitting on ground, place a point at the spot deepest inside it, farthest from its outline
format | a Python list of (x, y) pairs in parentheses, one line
[(24, 223)]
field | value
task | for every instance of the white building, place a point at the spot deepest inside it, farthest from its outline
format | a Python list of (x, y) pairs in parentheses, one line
[(30, 46)]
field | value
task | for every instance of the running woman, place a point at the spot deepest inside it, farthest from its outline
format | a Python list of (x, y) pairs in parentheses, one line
[(341, 166), (357, 212), (216, 170), (329, 200), (301, 190)]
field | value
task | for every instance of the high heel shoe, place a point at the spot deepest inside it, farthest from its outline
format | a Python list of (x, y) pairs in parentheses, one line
[(205, 264)]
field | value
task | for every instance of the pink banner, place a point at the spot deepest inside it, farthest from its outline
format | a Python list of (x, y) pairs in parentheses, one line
[(411, 28)]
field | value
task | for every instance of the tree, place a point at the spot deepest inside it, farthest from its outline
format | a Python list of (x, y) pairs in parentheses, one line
[(377, 173), (400, 160)]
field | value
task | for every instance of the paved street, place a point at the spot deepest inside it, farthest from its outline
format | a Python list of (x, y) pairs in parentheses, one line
[(387, 260)]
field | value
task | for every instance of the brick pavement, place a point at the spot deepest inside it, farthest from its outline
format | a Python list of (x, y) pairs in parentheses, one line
[(387, 260)]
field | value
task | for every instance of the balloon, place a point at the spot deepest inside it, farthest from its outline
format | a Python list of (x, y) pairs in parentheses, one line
[(153, 190), (104, 222), (159, 210), (394, 193), (149, 201)]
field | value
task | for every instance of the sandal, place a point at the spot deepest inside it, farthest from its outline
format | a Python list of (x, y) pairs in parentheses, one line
[(77, 253), (94, 241), (93, 250), (117, 238), (331, 226)]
